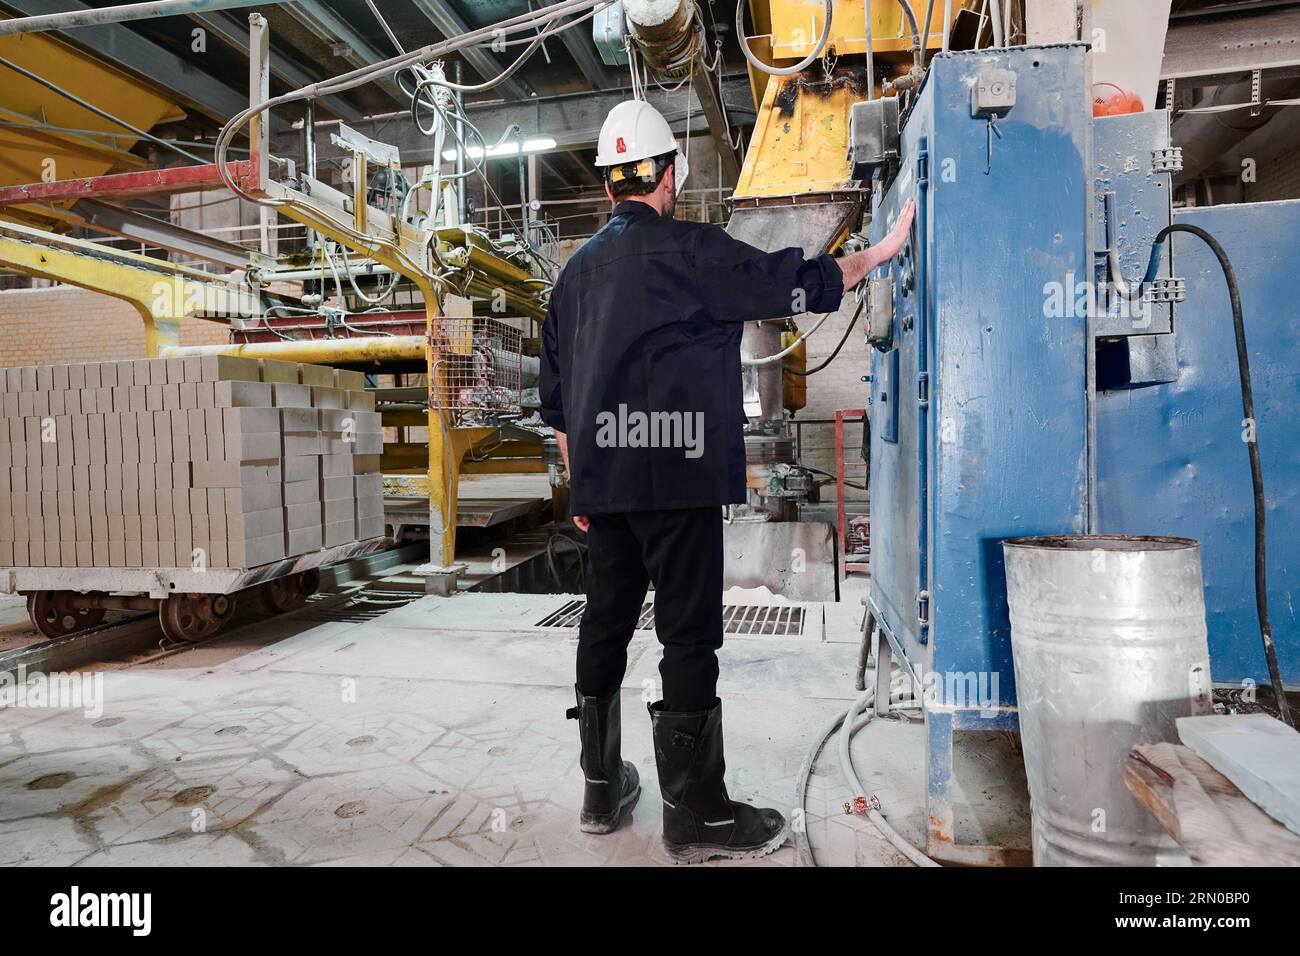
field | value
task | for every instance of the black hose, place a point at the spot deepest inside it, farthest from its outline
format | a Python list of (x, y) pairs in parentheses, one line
[(847, 332), (1256, 471), (918, 43), (552, 564)]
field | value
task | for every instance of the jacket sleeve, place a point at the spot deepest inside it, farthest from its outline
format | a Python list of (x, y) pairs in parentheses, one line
[(549, 392), (740, 282)]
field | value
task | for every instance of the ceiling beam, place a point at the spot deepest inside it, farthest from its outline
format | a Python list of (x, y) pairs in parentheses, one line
[(450, 24), (234, 33), (325, 25), (1228, 44), (582, 48)]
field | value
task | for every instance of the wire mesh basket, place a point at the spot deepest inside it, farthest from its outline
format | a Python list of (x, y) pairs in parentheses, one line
[(478, 364)]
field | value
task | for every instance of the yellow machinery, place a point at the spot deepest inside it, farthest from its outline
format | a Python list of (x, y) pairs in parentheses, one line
[(801, 135), (45, 136), (422, 257), (444, 265)]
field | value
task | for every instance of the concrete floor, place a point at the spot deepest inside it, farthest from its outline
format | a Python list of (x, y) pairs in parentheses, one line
[(433, 734)]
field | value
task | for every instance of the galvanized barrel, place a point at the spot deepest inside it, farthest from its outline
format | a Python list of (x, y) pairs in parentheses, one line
[(1109, 643)]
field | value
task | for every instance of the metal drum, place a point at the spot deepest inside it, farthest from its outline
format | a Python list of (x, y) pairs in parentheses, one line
[(1109, 641)]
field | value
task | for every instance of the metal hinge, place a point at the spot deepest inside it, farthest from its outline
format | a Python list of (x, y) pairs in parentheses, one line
[(923, 389), (1167, 290), (1167, 160), (923, 608)]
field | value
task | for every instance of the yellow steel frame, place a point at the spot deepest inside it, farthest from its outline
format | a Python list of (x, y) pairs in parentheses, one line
[(163, 294), (394, 244)]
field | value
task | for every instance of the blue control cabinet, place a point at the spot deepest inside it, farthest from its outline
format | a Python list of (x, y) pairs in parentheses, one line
[(987, 378)]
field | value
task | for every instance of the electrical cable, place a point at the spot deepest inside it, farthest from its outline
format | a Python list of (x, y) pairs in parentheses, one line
[(1252, 446), (847, 332), (358, 77), (777, 356), (578, 548), (781, 70)]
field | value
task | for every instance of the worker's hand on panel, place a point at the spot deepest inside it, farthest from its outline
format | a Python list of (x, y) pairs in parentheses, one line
[(860, 265), (888, 247), (582, 523)]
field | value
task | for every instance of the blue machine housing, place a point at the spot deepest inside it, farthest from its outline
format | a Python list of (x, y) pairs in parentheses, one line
[(979, 410), (1170, 456), (979, 405)]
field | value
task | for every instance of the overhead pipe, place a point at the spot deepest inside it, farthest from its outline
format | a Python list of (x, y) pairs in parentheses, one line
[(1206, 137), (122, 13), (665, 31)]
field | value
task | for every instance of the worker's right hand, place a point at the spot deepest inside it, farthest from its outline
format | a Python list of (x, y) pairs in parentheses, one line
[(887, 248), (582, 523), (861, 264)]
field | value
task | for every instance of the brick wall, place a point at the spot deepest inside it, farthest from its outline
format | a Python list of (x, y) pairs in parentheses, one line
[(67, 324), (838, 386)]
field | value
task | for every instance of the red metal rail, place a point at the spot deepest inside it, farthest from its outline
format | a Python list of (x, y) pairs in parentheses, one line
[(842, 416), (174, 179)]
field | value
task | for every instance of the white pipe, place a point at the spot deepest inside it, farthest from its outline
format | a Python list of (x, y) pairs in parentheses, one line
[(995, 14), (947, 23), (121, 13), (848, 724), (871, 54)]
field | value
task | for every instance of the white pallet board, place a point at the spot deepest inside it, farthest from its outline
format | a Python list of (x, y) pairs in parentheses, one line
[(1259, 754)]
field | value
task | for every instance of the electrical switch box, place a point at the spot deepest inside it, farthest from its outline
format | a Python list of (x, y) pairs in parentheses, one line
[(994, 93)]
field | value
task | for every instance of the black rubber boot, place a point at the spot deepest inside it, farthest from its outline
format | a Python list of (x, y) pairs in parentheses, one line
[(612, 784), (700, 821)]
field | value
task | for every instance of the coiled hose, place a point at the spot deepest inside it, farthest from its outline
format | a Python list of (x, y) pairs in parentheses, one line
[(848, 724), (781, 70)]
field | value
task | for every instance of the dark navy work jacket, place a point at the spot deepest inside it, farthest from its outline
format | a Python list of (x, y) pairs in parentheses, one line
[(641, 357)]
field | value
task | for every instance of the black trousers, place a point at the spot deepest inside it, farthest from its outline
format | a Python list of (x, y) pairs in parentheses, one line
[(681, 552)]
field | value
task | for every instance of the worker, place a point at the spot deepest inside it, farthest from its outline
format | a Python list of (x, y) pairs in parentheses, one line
[(641, 380)]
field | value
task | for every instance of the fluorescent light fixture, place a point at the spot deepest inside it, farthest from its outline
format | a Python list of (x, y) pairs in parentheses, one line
[(502, 149)]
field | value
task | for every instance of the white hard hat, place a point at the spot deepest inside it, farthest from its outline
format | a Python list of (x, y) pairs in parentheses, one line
[(634, 130)]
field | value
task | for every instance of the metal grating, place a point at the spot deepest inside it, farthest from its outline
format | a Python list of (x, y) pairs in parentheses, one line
[(355, 607), (478, 363), (749, 620)]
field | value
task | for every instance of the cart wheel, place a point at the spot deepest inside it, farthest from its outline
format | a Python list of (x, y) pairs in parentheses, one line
[(194, 617), (310, 582), (289, 593), (52, 614)]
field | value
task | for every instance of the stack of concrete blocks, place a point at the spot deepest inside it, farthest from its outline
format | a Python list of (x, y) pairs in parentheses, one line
[(212, 461)]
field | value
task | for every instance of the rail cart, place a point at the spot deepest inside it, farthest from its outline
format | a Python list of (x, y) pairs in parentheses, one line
[(192, 604)]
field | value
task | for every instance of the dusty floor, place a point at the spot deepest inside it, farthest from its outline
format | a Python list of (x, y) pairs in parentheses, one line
[(433, 734)]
